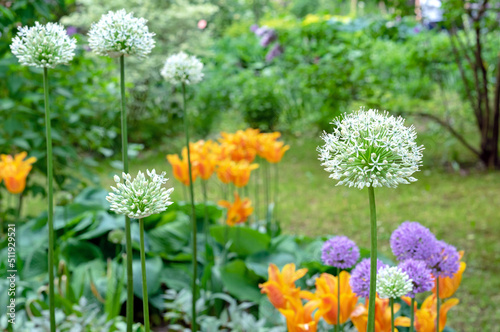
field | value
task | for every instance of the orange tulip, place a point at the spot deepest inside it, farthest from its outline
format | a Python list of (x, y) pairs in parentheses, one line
[(237, 212), (181, 169), (14, 171), (224, 171), (202, 158), (448, 286), (241, 173), (274, 151), (236, 172), (280, 287), (326, 292), (299, 317), (264, 140), (426, 316), (359, 317), (244, 143)]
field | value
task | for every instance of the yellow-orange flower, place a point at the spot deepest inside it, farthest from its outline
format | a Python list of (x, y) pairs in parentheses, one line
[(181, 169), (244, 143), (264, 140), (448, 286), (274, 151), (14, 171), (326, 293), (237, 212), (280, 287), (298, 316), (203, 158), (426, 316), (359, 317), (236, 172)]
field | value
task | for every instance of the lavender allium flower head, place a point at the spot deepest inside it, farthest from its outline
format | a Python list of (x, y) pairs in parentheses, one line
[(268, 38), (120, 33), (420, 274), (392, 282), (274, 52), (262, 31), (340, 252), (181, 68), (412, 240), (360, 277), (254, 27), (43, 46), (368, 148), (445, 262), (140, 197)]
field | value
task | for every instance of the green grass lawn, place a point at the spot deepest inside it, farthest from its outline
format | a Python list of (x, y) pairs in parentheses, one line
[(462, 210)]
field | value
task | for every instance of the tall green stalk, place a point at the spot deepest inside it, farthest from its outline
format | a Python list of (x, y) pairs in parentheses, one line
[(128, 233), (373, 260), (267, 185), (194, 285), (50, 199), (337, 327), (412, 314), (145, 303), (438, 304), (392, 314)]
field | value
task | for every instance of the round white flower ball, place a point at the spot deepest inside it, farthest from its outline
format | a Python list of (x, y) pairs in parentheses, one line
[(120, 33), (368, 148), (392, 282), (43, 46), (181, 68)]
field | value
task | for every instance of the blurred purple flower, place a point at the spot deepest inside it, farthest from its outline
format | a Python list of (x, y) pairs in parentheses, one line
[(445, 262), (254, 27), (360, 277), (412, 240), (263, 30), (340, 252), (420, 274), (274, 52), (268, 38), (71, 30)]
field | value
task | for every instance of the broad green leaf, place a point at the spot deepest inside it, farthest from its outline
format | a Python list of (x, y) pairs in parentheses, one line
[(244, 241), (240, 282), (154, 267)]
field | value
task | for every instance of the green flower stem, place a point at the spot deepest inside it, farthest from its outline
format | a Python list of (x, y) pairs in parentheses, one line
[(128, 233), (50, 199), (392, 314), (373, 260), (256, 188), (205, 218), (337, 327), (145, 303), (193, 213), (268, 215), (412, 314), (276, 193), (438, 304)]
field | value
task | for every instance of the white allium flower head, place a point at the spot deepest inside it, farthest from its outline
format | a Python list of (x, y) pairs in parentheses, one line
[(43, 46), (368, 148), (140, 197), (120, 33), (392, 282), (181, 68)]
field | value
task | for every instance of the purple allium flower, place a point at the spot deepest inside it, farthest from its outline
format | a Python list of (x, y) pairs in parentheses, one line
[(268, 38), (360, 277), (340, 251), (274, 52), (445, 261), (263, 30), (254, 27), (420, 274), (412, 240), (71, 30)]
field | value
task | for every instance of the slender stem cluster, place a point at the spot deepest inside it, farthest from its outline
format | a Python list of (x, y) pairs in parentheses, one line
[(145, 303), (128, 233), (193, 213), (373, 260), (50, 200)]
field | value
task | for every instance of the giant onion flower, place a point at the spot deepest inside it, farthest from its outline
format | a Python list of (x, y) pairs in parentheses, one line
[(360, 277), (340, 252), (120, 33), (368, 148), (181, 68), (392, 283), (420, 275), (43, 46), (140, 197), (411, 240)]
